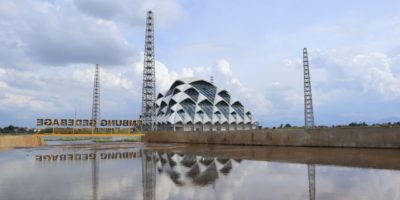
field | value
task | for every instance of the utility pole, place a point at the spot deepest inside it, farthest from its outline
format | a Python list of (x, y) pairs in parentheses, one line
[(73, 127), (308, 119), (148, 116)]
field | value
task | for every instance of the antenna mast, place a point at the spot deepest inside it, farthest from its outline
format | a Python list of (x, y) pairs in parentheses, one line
[(308, 105), (96, 99), (149, 79)]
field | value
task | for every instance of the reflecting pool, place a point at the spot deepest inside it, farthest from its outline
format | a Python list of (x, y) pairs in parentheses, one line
[(176, 171)]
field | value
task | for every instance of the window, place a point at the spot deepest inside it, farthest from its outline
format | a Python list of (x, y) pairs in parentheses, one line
[(207, 107), (224, 108), (171, 103), (181, 113), (206, 89), (239, 109), (189, 106), (192, 93), (224, 94)]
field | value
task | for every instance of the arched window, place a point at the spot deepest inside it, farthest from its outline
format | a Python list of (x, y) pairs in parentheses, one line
[(189, 106), (205, 88), (207, 107), (224, 94), (192, 93), (224, 108), (239, 109)]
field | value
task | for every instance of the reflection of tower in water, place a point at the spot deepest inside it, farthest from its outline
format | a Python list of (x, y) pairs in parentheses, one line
[(148, 175), (95, 176)]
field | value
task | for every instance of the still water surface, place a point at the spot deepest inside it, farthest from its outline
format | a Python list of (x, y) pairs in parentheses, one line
[(137, 171)]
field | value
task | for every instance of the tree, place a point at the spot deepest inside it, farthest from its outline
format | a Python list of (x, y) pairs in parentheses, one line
[(9, 128), (288, 126)]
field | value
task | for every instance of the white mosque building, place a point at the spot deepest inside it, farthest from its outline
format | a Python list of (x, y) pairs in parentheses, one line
[(193, 104)]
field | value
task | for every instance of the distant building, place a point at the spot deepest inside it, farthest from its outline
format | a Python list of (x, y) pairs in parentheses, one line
[(197, 105)]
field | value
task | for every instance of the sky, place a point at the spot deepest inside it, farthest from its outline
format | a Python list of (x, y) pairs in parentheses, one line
[(48, 51)]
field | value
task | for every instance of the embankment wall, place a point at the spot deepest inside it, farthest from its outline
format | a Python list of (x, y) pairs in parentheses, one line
[(20, 141), (368, 137)]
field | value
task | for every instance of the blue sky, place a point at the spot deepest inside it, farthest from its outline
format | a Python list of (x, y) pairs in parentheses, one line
[(253, 48)]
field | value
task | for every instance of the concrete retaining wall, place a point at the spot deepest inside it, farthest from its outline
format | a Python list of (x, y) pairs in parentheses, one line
[(20, 141), (323, 137)]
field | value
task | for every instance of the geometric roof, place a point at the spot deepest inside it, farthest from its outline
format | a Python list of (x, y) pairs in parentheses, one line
[(197, 101)]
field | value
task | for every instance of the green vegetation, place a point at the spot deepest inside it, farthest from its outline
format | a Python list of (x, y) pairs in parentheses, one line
[(74, 138), (100, 140), (350, 125), (85, 131), (93, 139), (15, 130), (131, 139)]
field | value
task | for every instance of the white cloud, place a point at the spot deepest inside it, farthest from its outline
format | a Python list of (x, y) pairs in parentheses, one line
[(259, 103), (166, 11), (224, 67), (372, 71)]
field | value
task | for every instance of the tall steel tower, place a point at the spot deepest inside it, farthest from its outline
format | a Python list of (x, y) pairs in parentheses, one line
[(308, 119), (96, 98), (308, 105), (149, 78)]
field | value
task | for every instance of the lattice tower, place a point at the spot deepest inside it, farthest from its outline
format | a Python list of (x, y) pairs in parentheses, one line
[(149, 77), (308, 104), (96, 97)]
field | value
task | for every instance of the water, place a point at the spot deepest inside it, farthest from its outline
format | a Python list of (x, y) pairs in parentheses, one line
[(171, 171)]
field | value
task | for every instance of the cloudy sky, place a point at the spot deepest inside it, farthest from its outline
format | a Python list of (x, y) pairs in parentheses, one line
[(48, 50)]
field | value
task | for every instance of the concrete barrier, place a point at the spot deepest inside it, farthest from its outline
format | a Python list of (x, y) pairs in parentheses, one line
[(20, 141), (368, 137)]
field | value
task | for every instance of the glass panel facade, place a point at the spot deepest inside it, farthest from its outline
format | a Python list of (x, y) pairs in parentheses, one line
[(175, 92), (224, 108), (169, 93), (206, 89), (225, 96), (239, 109), (218, 114), (201, 114), (207, 107), (171, 103), (175, 84), (181, 113), (163, 104), (234, 115), (192, 93), (189, 106)]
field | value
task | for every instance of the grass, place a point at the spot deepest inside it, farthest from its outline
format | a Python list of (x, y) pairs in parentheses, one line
[(131, 139), (93, 139), (73, 138), (101, 140)]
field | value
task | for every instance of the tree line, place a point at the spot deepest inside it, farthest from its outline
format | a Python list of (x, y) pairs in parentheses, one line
[(352, 124), (15, 130)]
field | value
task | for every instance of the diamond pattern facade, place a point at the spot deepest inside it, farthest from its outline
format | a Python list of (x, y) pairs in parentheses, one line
[(198, 105)]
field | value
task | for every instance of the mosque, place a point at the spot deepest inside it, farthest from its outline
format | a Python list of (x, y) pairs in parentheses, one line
[(193, 104)]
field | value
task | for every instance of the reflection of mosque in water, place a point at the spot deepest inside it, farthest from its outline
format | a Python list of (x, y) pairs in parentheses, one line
[(192, 170), (182, 169)]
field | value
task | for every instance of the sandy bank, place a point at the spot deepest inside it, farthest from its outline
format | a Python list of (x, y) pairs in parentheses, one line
[(11, 141)]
